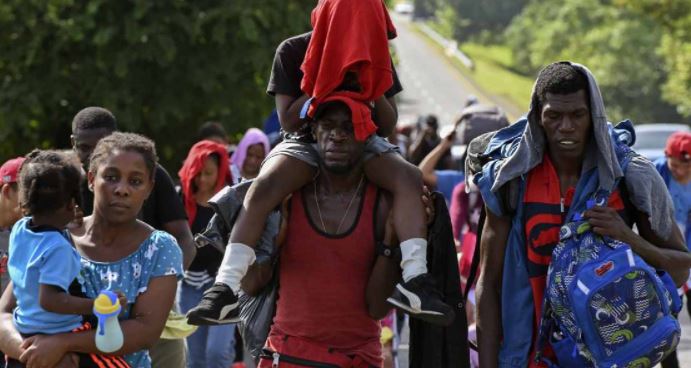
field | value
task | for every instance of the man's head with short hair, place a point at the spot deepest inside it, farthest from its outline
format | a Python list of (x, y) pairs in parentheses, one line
[(563, 110), (94, 117), (559, 78), (10, 211), (88, 127), (338, 149), (212, 130)]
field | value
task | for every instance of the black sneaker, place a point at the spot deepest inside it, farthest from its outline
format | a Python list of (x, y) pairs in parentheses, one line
[(420, 299), (219, 306)]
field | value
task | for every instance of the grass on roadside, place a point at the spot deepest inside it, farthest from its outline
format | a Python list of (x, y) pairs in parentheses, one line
[(492, 72)]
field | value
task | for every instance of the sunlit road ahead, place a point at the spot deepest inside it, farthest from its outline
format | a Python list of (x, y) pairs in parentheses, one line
[(430, 83)]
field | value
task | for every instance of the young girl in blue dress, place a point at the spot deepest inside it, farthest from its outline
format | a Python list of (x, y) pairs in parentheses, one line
[(42, 260)]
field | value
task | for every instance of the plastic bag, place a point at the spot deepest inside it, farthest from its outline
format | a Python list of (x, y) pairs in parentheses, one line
[(257, 315), (256, 312)]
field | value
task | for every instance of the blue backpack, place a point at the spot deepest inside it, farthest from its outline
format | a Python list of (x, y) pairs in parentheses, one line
[(605, 306)]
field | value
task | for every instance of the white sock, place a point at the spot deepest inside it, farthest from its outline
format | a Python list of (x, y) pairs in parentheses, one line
[(413, 258), (236, 260)]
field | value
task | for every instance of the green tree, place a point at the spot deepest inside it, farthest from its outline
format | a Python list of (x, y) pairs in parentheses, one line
[(162, 66), (425, 8), (674, 17), (614, 42), (487, 18)]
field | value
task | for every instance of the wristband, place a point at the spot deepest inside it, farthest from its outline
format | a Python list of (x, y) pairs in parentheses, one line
[(393, 252)]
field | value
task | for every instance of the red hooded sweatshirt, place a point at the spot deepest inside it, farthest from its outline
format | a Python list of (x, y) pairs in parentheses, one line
[(194, 164), (349, 36)]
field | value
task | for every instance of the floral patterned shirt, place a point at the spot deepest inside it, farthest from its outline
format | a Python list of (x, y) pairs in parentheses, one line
[(159, 255)]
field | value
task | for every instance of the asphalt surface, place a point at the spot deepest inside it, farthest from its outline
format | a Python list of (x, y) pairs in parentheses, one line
[(433, 85), (684, 349)]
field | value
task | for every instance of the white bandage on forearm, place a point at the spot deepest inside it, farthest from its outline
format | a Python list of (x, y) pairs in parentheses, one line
[(236, 260), (413, 258)]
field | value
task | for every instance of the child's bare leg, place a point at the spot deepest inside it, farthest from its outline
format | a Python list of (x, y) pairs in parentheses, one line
[(391, 172), (279, 176)]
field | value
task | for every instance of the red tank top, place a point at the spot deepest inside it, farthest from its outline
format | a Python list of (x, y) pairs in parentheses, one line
[(322, 280)]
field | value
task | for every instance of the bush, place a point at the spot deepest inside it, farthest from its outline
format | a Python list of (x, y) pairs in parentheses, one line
[(162, 66)]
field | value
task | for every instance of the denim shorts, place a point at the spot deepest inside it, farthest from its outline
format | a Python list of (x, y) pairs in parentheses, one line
[(307, 152)]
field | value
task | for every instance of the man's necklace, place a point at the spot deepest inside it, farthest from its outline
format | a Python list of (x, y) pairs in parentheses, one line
[(319, 211)]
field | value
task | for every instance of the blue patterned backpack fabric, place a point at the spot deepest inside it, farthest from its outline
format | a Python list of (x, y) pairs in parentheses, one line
[(604, 305)]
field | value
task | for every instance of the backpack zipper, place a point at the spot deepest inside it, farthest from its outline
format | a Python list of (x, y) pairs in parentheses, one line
[(561, 204)]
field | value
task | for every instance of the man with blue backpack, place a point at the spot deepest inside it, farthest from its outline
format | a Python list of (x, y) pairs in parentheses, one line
[(564, 280)]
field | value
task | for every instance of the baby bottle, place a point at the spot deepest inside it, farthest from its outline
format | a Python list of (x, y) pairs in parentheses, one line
[(108, 334)]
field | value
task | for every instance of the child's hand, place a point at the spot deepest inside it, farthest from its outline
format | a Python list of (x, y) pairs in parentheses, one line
[(122, 298)]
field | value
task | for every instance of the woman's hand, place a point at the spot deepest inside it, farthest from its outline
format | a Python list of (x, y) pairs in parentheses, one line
[(42, 351)]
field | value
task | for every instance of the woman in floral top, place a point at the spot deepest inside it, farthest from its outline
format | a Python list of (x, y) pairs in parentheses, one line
[(119, 253)]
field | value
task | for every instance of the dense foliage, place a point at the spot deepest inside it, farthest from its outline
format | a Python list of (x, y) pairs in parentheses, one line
[(674, 18), (640, 50), (615, 43), (162, 66), (472, 19)]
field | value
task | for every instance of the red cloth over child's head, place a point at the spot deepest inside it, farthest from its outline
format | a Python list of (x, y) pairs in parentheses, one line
[(194, 164), (359, 114), (332, 5), (349, 36)]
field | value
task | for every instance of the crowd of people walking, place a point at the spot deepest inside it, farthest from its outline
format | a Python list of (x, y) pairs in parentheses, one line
[(542, 242)]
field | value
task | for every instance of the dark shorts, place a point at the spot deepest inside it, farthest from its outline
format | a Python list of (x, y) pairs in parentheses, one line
[(307, 152)]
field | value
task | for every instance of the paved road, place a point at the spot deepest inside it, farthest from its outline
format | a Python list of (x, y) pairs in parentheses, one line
[(433, 85), (684, 350), (430, 83)]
